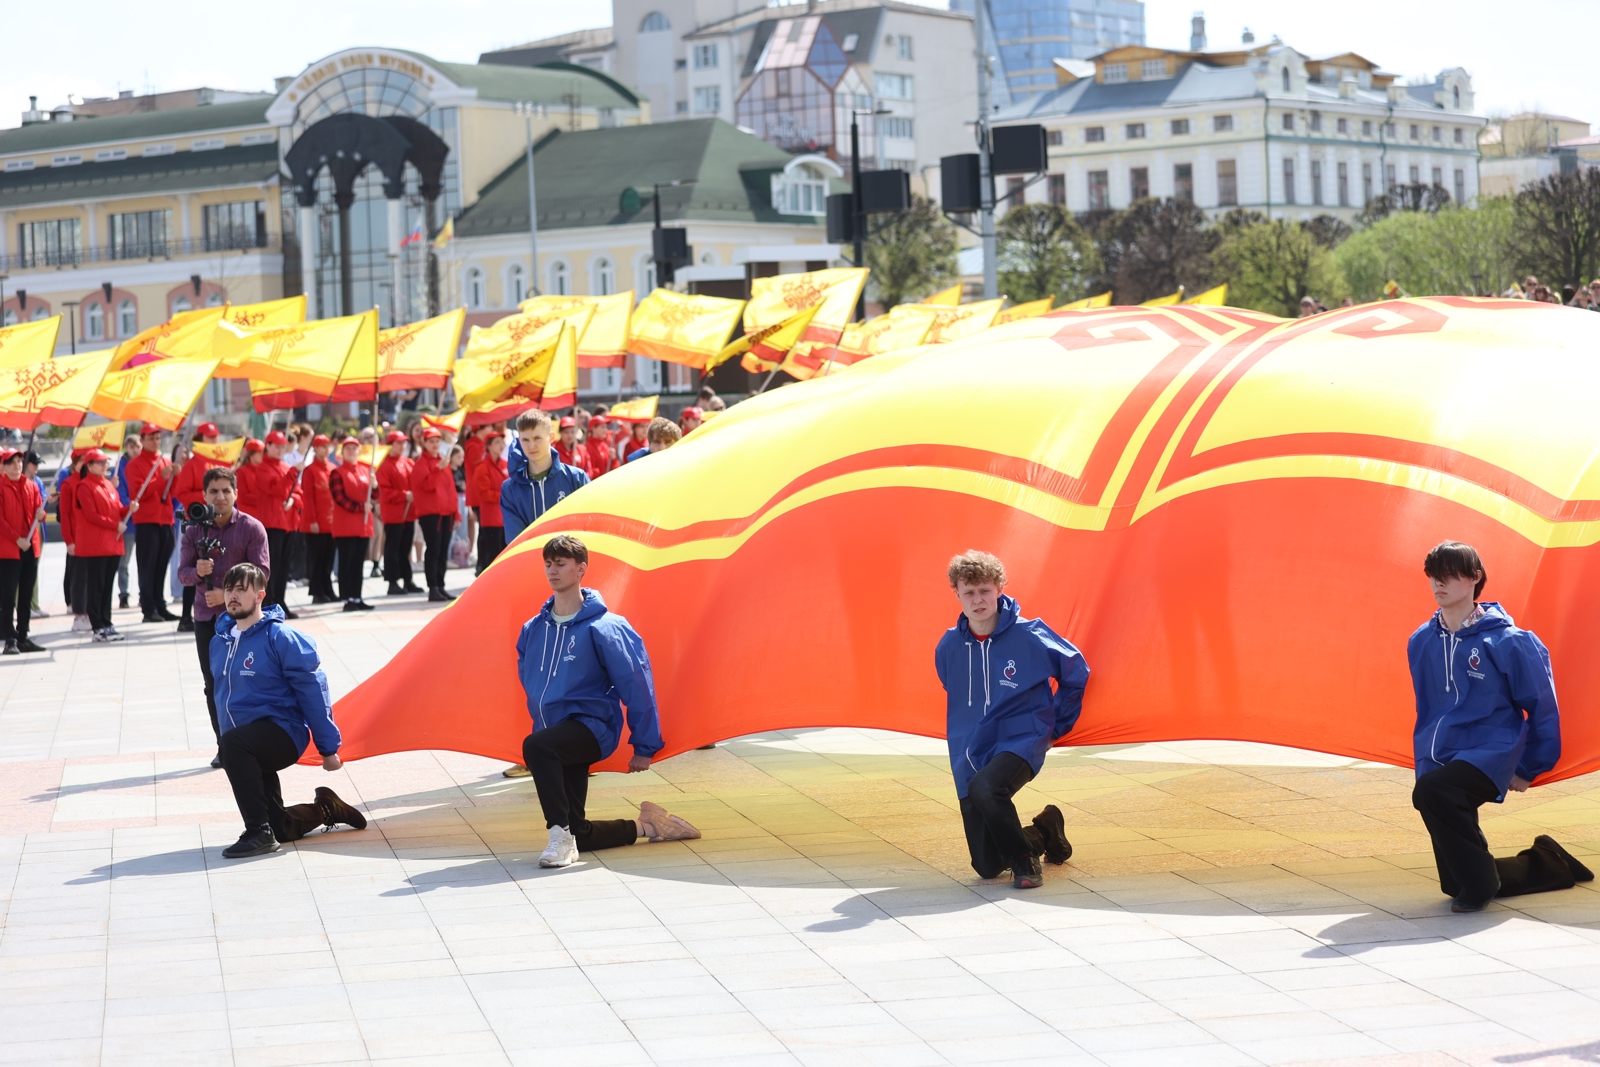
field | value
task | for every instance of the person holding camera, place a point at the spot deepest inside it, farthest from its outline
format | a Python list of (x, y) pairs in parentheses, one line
[(216, 538), (275, 700)]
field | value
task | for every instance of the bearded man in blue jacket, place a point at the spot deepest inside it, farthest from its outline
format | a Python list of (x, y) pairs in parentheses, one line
[(1013, 687), (1487, 722), (272, 699), (580, 664)]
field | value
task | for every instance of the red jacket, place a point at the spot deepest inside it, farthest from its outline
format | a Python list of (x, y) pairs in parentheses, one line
[(433, 488), (487, 478), (247, 498), (188, 487), (275, 482), (598, 455), (349, 486), (155, 504), (19, 503), (394, 482), (100, 509), (576, 458), (626, 446), (318, 504), (475, 451)]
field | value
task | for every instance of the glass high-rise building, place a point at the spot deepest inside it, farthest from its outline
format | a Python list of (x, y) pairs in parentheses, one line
[(1032, 34)]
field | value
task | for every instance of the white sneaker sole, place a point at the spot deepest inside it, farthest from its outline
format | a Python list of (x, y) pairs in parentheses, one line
[(556, 861)]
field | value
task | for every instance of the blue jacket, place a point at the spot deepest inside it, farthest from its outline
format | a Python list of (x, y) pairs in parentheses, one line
[(587, 669), (998, 696), (271, 671), (523, 500), (1485, 694)]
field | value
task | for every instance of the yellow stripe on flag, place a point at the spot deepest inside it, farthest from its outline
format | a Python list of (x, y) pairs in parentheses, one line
[(29, 342), (419, 355)]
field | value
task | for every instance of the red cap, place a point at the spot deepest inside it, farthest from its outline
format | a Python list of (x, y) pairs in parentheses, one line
[(254, 445), (596, 420), (567, 420), (208, 429), (9, 454), (149, 428), (320, 440), (348, 441), (693, 413), (395, 438), (490, 436), (276, 437), (94, 455), (431, 431)]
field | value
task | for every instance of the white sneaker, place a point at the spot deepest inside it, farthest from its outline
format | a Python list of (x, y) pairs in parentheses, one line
[(80, 624), (562, 850), (40, 613), (108, 634)]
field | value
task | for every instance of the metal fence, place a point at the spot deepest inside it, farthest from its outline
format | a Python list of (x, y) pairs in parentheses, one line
[(140, 250)]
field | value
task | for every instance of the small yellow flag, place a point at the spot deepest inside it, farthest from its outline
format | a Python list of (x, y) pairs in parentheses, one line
[(1392, 289), (446, 235), (952, 323), (28, 342), (419, 355), (221, 452), (682, 329), (1214, 297), (307, 356), (604, 341), (832, 293), (500, 360), (58, 391), (1028, 310), (451, 422), (1164, 301), (1103, 300), (947, 297), (105, 436), (639, 409), (159, 392), (768, 345)]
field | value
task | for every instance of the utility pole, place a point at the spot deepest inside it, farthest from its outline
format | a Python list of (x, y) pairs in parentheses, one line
[(991, 277), (527, 109), (858, 216)]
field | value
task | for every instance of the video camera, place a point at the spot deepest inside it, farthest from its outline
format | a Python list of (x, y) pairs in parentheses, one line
[(207, 545)]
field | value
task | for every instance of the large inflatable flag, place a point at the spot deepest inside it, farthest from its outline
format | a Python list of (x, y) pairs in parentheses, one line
[(683, 329), (419, 355), (57, 391), (1026, 310), (29, 342), (1191, 494)]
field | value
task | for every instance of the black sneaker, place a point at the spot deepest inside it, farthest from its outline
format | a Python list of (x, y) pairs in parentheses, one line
[(257, 842), (335, 811), (1028, 874), (216, 762), (438, 596), (186, 626), (357, 605), (25, 644), (11, 649), (412, 587), (122, 601), (1580, 873), (396, 589), (374, 573), (151, 618), (1053, 834), (1463, 907), (165, 615)]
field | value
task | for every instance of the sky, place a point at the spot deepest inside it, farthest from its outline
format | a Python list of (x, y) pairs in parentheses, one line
[(1536, 54)]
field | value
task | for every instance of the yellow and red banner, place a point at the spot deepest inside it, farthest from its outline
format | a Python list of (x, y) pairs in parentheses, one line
[(682, 329), (1100, 300), (946, 297), (29, 342), (187, 335), (637, 409), (831, 294), (106, 436), (159, 391), (56, 391), (1213, 297), (307, 356), (511, 357), (419, 355), (221, 452), (765, 348), (451, 422), (603, 342), (882, 334), (951, 323)]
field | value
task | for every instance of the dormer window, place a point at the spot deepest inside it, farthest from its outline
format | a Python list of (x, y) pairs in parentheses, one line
[(1116, 72), (1285, 79), (1455, 94), (1153, 69), (850, 42)]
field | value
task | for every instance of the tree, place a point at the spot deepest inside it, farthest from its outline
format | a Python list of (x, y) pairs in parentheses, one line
[(912, 255), (1154, 247), (1269, 266), (1415, 196), (1459, 251), (1044, 252), (1557, 227), (1328, 231)]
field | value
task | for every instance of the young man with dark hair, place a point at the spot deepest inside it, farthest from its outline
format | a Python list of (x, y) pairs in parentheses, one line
[(536, 479), (274, 700), (1013, 688), (1487, 722), (579, 665)]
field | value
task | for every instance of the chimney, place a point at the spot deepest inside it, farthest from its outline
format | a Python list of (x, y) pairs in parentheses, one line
[(33, 114), (1248, 38), (1197, 32)]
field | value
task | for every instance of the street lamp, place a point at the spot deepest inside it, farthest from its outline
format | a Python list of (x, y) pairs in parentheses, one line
[(527, 109), (858, 213)]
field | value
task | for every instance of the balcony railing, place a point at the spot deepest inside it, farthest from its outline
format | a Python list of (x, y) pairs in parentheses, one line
[(139, 251)]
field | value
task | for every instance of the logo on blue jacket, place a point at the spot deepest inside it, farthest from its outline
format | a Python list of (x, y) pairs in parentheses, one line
[(249, 664), (1009, 675), (1472, 659)]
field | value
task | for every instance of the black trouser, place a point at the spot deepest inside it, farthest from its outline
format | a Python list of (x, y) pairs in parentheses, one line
[(277, 566), (188, 602), (558, 758), (436, 547), (296, 553), (204, 631), (491, 542), (100, 575), (397, 538), (75, 584), (153, 545), (1448, 799), (352, 561), (252, 756), (319, 564), (16, 594), (995, 835)]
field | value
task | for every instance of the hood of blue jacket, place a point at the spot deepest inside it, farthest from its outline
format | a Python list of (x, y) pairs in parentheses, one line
[(521, 501), (593, 606), (517, 461), (1007, 612), (270, 613)]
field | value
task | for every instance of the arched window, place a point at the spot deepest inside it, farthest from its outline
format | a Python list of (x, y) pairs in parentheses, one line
[(560, 284), (517, 283), (214, 300), (94, 322), (181, 304), (9, 318), (1285, 79), (1455, 94), (40, 313), (474, 288), (127, 319), (605, 277), (655, 22), (645, 275)]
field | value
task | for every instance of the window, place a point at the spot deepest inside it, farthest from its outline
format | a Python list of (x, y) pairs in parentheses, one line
[(1094, 134), (1342, 179), (707, 99), (1461, 186), (128, 319), (140, 234), (1099, 190), (1316, 122), (242, 224), (214, 300), (1389, 181), (1460, 136), (1180, 127), (560, 284), (1388, 129), (896, 127), (1288, 180), (1135, 131), (1288, 120), (1438, 134), (516, 284), (1366, 127), (108, 155), (182, 304), (217, 395), (94, 322), (1286, 79), (1227, 183), (1221, 123), (1342, 126), (1115, 72), (56, 243), (1153, 69), (13, 165), (681, 107), (1057, 189), (798, 195), (605, 277), (1183, 182), (1366, 184), (893, 86), (902, 47), (850, 42), (472, 291), (1416, 132), (40, 313), (9, 318), (655, 22), (160, 149), (1416, 175), (680, 64), (69, 159), (1014, 191), (1455, 95), (1052, 137), (1138, 183), (266, 137), (1316, 181), (206, 144), (705, 57), (647, 375)]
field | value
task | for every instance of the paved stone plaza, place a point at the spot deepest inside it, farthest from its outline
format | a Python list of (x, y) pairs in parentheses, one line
[(1228, 903)]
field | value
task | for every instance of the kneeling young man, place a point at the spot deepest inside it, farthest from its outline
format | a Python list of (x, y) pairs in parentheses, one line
[(579, 665), (1002, 715), (272, 698), (1487, 722)]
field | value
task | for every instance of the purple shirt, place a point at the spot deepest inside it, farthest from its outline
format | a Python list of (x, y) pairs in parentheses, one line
[(244, 540)]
